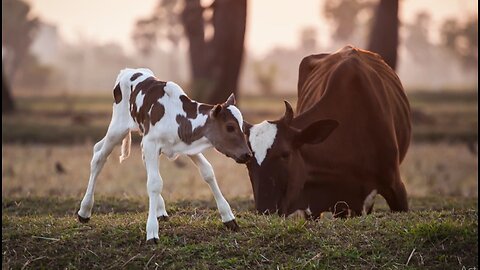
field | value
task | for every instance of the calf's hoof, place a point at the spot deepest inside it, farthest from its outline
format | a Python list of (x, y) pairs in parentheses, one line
[(82, 219), (162, 218), (152, 241), (232, 225)]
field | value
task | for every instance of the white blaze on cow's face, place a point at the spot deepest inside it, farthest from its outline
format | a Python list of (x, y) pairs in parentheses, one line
[(261, 139)]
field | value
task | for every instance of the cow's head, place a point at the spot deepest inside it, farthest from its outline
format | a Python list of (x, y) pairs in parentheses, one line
[(225, 131), (277, 171)]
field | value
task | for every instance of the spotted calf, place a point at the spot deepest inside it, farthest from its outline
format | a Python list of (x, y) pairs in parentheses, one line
[(171, 124)]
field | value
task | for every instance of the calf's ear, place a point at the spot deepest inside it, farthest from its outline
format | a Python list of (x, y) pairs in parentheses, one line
[(231, 100), (315, 133), (215, 111)]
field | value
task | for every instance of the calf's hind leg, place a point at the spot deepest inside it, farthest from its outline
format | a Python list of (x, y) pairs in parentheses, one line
[(206, 170), (101, 151), (156, 206)]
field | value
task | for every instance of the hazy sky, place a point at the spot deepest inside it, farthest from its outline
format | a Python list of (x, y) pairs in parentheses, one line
[(270, 23)]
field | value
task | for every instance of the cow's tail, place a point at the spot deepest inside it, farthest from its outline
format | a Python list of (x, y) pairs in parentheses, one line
[(126, 143)]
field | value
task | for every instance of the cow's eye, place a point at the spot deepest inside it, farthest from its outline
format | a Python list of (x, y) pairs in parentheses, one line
[(230, 128), (285, 155)]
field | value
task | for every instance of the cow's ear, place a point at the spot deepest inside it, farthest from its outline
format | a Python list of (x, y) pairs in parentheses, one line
[(215, 111), (315, 133), (231, 100)]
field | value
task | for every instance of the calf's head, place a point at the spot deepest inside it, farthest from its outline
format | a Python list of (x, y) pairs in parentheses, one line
[(277, 171), (225, 131)]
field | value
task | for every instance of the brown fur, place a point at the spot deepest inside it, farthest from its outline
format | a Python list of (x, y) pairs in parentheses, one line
[(189, 106), (153, 90), (135, 76), (361, 92), (185, 130), (117, 94)]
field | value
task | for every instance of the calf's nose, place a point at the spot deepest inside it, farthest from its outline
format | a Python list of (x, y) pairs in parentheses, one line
[(245, 157)]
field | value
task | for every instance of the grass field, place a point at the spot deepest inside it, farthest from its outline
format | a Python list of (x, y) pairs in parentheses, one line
[(39, 200), (40, 233)]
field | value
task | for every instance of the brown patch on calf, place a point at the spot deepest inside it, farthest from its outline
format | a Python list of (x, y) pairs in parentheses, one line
[(185, 130), (157, 112), (189, 107), (117, 93), (153, 90), (135, 76)]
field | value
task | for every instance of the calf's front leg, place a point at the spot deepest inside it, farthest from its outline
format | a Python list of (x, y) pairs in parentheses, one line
[(206, 170)]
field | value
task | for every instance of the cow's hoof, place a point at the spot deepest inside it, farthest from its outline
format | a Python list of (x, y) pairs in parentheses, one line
[(82, 219), (153, 241), (232, 225), (162, 218)]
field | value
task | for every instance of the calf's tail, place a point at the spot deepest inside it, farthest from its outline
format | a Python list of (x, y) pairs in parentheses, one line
[(126, 143)]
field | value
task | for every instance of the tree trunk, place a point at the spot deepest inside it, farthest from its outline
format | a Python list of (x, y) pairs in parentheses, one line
[(229, 20), (193, 24), (215, 65), (8, 104), (384, 34)]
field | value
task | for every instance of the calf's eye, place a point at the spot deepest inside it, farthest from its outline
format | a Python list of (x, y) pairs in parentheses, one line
[(230, 128), (285, 155)]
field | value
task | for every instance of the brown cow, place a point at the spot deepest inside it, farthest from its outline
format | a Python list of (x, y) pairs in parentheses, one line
[(295, 165)]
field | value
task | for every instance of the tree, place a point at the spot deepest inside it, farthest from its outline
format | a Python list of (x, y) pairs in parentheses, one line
[(417, 41), (18, 29), (344, 14), (215, 42), (8, 105), (461, 39), (216, 61), (308, 39), (265, 77), (384, 33), (162, 26)]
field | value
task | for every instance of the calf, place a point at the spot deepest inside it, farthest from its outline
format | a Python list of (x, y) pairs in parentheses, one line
[(171, 124)]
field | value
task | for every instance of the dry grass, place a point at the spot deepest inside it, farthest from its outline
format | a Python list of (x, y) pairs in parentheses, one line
[(29, 170)]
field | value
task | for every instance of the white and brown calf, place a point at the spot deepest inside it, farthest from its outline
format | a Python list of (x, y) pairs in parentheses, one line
[(171, 124)]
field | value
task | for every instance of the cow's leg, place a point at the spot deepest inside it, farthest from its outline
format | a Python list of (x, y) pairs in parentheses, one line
[(101, 151), (206, 170), (154, 187), (396, 195)]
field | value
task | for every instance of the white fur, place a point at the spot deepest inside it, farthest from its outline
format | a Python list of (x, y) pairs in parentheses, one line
[(163, 136), (261, 139), (237, 114), (139, 100)]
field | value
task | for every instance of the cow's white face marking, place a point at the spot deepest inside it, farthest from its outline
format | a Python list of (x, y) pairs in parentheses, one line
[(237, 114), (261, 139)]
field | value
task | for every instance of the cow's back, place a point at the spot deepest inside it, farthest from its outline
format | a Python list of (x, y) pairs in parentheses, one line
[(358, 89)]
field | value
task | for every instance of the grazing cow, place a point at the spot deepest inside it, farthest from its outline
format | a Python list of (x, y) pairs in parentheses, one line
[(358, 102), (171, 124)]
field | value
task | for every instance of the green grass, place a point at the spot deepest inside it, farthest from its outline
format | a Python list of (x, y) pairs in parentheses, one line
[(43, 233)]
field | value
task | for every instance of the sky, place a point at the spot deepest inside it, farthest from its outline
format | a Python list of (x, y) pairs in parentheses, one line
[(270, 23)]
